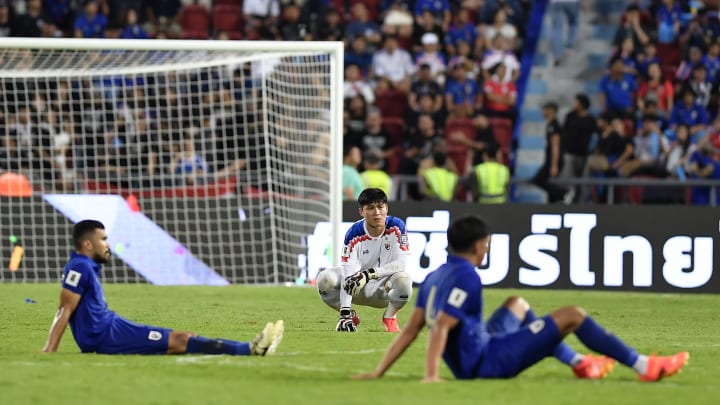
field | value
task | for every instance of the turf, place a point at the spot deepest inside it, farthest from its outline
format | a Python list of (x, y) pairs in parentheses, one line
[(313, 363)]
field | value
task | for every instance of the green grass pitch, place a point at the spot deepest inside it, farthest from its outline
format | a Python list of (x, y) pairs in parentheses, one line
[(313, 363)]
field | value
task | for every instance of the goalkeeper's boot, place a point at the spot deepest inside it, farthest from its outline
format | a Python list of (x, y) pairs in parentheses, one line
[(263, 340), (277, 337), (391, 325), (594, 367), (665, 366)]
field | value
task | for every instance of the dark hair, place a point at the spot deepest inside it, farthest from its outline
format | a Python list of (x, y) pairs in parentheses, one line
[(82, 229), (464, 232), (347, 149), (584, 100), (550, 105), (440, 159), (372, 195), (491, 149)]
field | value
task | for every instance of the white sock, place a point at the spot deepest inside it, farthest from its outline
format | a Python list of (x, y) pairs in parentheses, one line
[(641, 364), (576, 359)]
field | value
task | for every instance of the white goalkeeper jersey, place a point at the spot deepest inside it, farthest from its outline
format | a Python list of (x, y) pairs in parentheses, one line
[(363, 251)]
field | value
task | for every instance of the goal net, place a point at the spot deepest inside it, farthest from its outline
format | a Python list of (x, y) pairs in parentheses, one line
[(209, 161)]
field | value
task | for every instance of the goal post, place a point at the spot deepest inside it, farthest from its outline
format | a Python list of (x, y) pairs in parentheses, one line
[(230, 150)]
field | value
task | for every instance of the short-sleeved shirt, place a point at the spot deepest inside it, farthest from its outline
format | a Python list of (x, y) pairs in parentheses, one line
[(618, 93), (94, 28), (362, 251), (691, 116), (351, 179), (456, 289), (92, 317), (433, 6), (463, 92)]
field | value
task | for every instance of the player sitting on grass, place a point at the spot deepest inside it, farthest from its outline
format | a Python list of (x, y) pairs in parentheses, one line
[(450, 302), (98, 329), (373, 264)]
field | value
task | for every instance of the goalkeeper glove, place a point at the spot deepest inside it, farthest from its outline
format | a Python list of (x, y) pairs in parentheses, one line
[(357, 281), (345, 323)]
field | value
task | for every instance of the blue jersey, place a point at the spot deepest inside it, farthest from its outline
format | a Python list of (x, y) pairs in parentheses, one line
[(92, 317), (455, 288)]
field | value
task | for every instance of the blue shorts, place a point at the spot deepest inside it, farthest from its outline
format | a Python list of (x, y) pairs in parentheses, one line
[(512, 348), (126, 337)]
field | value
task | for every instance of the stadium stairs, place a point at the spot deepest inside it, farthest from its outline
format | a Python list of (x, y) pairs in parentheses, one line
[(580, 72)]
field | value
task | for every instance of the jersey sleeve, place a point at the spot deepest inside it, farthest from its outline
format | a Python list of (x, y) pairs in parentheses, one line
[(350, 259), (396, 229), (460, 297), (76, 278)]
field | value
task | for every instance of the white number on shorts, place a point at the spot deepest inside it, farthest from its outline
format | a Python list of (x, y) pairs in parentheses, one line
[(536, 326)]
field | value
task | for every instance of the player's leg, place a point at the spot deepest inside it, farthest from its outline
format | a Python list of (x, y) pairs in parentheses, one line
[(516, 313), (574, 320), (265, 343), (392, 293)]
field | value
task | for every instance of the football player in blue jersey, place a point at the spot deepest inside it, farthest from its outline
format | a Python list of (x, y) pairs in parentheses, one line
[(450, 303), (373, 266), (97, 329)]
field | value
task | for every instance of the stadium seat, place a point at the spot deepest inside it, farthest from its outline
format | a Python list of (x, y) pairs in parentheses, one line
[(194, 20), (228, 2), (503, 133), (228, 18), (395, 127), (391, 103), (669, 54)]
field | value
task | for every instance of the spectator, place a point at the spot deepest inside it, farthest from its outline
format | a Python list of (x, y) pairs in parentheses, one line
[(462, 29), (561, 11), (553, 163), (374, 176), (422, 86), (647, 58), (617, 91), (418, 148), (498, 54), (354, 84), (462, 95), (484, 137), (688, 112), (437, 182), (60, 13), (501, 27), (362, 26), (703, 165), (260, 19), (684, 71), (440, 10), (632, 27), (332, 29), (655, 89), (489, 181), (500, 96), (392, 67), (677, 154), (352, 184), (426, 106), (292, 28), (647, 151), (90, 24), (699, 84), (376, 139), (359, 54), (627, 55), (356, 120), (669, 17), (132, 30), (613, 149), (712, 62), (464, 53), (164, 16), (32, 23), (430, 55), (4, 19), (425, 24)]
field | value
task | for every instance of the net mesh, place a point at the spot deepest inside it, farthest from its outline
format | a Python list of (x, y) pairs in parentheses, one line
[(228, 152)]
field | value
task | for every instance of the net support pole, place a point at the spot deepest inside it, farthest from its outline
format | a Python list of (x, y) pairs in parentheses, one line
[(336, 147)]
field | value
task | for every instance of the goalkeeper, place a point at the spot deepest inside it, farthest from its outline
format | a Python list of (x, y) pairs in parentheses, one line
[(373, 266)]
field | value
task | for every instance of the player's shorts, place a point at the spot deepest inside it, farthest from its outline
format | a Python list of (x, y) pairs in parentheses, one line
[(502, 321), (126, 337), (507, 354)]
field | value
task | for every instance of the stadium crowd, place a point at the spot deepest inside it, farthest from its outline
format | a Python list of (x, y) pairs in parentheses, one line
[(658, 112), (429, 92)]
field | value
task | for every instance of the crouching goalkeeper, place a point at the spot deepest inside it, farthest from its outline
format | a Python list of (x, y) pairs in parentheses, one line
[(373, 266)]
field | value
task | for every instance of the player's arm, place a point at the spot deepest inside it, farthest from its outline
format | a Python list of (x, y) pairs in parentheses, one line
[(408, 335), (436, 345), (68, 303)]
